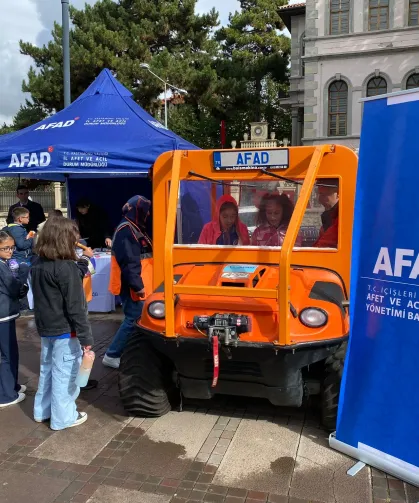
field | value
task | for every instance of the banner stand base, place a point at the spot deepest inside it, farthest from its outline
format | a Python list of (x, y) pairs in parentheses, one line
[(356, 468), (374, 460)]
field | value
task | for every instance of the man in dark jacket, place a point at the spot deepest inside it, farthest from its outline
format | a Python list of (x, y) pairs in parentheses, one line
[(36, 212), (131, 251), (93, 224)]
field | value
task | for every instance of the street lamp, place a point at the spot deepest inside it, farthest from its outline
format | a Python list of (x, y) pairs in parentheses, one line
[(146, 66), (66, 51)]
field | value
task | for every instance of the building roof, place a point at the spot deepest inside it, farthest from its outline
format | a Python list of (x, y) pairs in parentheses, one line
[(288, 11)]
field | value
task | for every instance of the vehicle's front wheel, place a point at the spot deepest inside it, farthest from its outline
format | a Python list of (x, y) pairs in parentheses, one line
[(331, 387), (145, 379)]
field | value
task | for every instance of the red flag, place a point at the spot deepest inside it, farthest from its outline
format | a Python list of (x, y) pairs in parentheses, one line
[(223, 133)]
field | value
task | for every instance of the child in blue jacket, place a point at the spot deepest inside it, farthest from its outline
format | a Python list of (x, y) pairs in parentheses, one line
[(23, 241), (12, 287), (23, 245)]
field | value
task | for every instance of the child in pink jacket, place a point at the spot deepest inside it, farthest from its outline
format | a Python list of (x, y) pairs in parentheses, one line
[(226, 228)]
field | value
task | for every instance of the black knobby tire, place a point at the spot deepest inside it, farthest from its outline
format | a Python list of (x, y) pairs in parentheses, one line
[(145, 379), (331, 387), (330, 401)]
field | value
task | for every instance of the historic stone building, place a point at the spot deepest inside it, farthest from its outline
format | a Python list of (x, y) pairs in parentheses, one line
[(342, 51)]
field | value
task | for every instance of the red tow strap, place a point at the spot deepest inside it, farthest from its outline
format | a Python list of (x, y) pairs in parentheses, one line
[(216, 359)]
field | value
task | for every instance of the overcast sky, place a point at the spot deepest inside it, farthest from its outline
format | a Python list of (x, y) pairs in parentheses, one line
[(32, 21)]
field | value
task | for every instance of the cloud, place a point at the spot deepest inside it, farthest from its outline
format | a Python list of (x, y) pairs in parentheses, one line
[(224, 7), (18, 19), (32, 21)]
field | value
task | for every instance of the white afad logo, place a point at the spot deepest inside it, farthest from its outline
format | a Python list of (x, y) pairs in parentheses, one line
[(401, 261), (28, 160), (53, 125)]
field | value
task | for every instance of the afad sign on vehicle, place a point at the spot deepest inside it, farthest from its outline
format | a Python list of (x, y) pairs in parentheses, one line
[(378, 416), (245, 160), (31, 159)]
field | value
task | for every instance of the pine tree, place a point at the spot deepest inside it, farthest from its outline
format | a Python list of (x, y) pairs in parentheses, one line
[(121, 35), (255, 56), (28, 114), (235, 75)]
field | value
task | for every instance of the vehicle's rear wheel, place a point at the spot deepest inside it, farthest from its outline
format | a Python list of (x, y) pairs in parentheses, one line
[(145, 379), (331, 387)]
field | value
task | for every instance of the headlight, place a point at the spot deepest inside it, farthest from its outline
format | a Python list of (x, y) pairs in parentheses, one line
[(157, 310), (313, 317)]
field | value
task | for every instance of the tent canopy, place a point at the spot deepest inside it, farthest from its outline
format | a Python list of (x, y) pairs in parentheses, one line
[(104, 133)]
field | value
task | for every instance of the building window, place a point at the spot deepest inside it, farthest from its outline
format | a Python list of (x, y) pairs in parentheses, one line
[(376, 86), (413, 12), (302, 54), (378, 15), (338, 109), (413, 81), (339, 16)]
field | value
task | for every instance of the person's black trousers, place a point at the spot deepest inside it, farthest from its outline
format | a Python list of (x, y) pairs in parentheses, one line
[(24, 303), (9, 363)]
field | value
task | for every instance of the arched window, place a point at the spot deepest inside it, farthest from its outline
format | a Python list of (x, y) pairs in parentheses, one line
[(378, 15), (338, 108), (303, 53), (376, 86), (413, 81), (339, 17), (413, 12)]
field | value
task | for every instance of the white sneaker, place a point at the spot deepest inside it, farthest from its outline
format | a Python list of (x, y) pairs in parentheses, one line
[(20, 398), (22, 388), (111, 362), (82, 418)]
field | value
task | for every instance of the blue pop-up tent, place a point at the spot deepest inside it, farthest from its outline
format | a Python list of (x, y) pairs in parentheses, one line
[(103, 133), (97, 144)]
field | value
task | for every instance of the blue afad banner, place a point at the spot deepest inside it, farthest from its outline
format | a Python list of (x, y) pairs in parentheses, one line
[(378, 420)]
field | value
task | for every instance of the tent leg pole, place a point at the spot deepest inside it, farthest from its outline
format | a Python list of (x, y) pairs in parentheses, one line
[(67, 192)]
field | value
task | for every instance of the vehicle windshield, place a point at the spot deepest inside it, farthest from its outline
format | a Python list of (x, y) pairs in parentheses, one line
[(256, 213)]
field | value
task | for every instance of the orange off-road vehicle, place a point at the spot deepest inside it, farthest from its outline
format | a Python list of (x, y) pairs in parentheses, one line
[(260, 321)]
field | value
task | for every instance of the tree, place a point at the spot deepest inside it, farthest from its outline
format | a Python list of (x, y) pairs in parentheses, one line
[(201, 129), (254, 63), (236, 75), (120, 36), (28, 114), (5, 129)]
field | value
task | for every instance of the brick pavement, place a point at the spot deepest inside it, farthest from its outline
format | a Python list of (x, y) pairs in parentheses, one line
[(227, 450)]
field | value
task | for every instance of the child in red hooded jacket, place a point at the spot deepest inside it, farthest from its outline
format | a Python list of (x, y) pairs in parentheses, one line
[(226, 228)]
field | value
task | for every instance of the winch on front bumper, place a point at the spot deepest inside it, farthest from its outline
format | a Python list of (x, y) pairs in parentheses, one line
[(221, 329), (227, 327)]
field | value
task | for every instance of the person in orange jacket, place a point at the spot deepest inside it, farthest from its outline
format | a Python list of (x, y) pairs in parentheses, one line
[(131, 268), (328, 194)]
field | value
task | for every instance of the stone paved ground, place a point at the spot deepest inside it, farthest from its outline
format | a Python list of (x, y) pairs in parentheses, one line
[(228, 450)]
